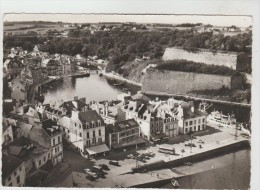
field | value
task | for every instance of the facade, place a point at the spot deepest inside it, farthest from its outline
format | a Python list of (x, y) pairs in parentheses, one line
[(32, 75), (18, 90), (50, 137), (7, 135), (85, 130), (13, 171), (123, 134), (190, 119), (13, 66), (76, 104)]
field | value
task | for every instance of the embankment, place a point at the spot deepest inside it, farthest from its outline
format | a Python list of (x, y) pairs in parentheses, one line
[(195, 158)]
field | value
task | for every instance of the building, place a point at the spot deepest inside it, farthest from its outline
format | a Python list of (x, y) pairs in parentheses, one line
[(123, 134), (32, 75), (49, 136), (30, 152), (76, 104), (85, 130), (7, 135), (19, 90), (109, 111), (54, 67), (13, 66), (151, 126), (13, 171), (190, 119)]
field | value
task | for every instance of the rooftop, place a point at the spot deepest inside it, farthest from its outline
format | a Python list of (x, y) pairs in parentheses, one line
[(90, 116), (9, 164)]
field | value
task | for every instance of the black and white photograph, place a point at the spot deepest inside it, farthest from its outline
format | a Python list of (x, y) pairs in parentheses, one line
[(128, 100)]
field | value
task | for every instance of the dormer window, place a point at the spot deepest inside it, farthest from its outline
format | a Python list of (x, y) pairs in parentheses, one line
[(99, 123), (93, 124)]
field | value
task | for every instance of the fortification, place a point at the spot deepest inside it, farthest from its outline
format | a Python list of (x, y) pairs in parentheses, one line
[(233, 60), (176, 82)]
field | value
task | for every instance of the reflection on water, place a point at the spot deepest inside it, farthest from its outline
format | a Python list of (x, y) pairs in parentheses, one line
[(93, 88), (235, 174)]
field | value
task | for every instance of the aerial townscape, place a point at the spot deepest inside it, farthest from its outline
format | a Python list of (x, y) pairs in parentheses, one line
[(126, 104)]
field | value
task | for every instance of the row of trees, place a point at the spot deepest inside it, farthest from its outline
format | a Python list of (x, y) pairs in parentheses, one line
[(190, 66), (123, 45)]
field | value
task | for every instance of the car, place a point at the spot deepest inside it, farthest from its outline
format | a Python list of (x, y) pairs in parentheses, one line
[(150, 154), (130, 156), (90, 173), (114, 162), (104, 166), (200, 141), (190, 144)]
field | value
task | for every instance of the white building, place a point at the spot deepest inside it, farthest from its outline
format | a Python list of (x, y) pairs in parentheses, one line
[(86, 131)]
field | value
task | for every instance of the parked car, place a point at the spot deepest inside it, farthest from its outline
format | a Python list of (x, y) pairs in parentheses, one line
[(200, 141), (104, 166), (90, 173), (150, 154), (190, 144), (113, 162), (130, 156)]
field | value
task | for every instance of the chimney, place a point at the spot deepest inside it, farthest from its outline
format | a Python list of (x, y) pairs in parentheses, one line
[(192, 109), (74, 114)]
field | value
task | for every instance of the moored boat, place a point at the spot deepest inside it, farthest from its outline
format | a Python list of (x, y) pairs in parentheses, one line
[(221, 119)]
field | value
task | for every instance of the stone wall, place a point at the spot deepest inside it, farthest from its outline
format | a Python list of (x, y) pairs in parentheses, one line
[(175, 82), (203, 56)]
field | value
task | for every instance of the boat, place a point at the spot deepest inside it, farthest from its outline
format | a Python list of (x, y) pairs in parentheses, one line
[(86, 73), (222, 120), (175, 183)]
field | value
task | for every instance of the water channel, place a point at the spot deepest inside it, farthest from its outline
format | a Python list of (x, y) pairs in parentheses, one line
[(236, 173)]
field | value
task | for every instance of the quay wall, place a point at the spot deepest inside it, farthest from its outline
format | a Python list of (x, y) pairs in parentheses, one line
[(176, 82), (120, 78), (195, 158)]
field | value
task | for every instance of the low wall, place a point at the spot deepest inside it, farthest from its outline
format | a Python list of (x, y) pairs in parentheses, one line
[(176, 82)]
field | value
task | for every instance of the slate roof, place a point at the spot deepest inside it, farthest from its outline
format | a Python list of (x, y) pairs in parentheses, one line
[(9, 165), (70, 106), (90, 116)]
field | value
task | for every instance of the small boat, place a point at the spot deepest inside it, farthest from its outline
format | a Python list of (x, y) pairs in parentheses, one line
[(175, 183)]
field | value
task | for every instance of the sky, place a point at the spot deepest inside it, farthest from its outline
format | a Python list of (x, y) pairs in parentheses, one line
[(241, 21)]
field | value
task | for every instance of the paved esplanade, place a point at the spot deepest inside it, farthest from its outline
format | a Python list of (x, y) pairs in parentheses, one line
[(213, 137)]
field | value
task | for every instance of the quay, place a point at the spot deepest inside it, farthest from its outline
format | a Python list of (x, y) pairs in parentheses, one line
[(217, 142), (120, 78)]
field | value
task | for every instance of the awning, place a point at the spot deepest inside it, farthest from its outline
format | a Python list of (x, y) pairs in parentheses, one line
[(97, 149), (136, 141), (159, 136)]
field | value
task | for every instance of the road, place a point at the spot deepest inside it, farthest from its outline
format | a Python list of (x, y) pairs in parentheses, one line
[(212, 136)]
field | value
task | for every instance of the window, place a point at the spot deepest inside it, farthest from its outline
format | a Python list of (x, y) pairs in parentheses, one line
[(75, 124), (99, 123), (203, 120), (186, 123), (40, 162), (58, 148), (49, 155), (10, 184), (20, 169), (190, 123), (199, 121), (53, 141), (88, 135), (94, 140), (18, 179), (186, 130), (9, 178), (195, 121), (80, 134), (93, 124), (99, 140), (15, 173), (58, 139), (44, 159), (99, 132), (88, 143), (94, 133), (194, 128), (79, 126)]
